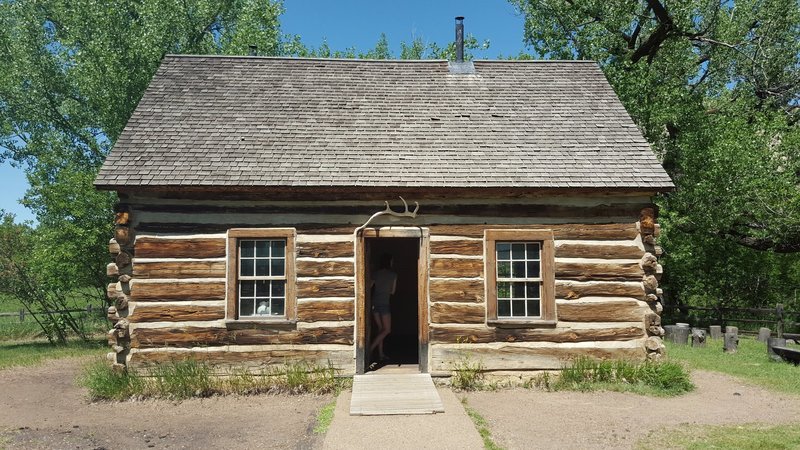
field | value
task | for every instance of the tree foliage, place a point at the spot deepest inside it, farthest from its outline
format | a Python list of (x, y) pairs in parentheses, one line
[(715, 87), (74, 71)]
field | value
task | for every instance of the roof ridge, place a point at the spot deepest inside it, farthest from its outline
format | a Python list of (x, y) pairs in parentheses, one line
[(301, 58)]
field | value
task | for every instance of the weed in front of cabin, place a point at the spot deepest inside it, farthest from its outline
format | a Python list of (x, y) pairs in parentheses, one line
[(185, 379)]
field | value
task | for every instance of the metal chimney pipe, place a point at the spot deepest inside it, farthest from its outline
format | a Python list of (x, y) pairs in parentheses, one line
[(460, 39)]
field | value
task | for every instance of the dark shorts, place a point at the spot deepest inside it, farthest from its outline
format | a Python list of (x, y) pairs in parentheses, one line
[(381, 309)]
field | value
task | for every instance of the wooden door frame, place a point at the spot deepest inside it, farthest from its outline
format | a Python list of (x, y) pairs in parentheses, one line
[(423, 274)]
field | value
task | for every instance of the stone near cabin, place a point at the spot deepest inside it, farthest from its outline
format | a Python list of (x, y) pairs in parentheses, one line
[(731, 344), (764, 334), (775, 342), (698, 337)]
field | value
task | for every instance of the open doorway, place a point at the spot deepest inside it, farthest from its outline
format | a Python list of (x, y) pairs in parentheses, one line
[(402, 344)]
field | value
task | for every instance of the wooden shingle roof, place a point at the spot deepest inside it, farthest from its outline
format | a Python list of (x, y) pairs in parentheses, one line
[(274, 122)]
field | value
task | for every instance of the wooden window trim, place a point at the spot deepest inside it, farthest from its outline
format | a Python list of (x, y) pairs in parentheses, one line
[(231, 303), (548, 300)]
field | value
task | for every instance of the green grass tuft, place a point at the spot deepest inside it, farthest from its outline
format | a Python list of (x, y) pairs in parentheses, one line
[(189, 378), (744, 437), (649, 378), (467, 374), (325, 417), (750, 363), (482, 426)]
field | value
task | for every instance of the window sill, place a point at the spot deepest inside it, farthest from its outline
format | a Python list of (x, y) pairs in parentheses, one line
[(261, 324), (518, 323)]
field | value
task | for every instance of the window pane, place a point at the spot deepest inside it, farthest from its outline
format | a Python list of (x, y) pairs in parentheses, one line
[(246, 268), (262, 288), (504, 269), (246, 306), (533, 290), (277, 267), (533, 269), (503, 251), (278, 248), (503, 308), (247, 288), (518, 251), (518, 290), (263, 308), (533, 308), (518, 308), (518, 269), (262, 249), (262, 267), (278, 306), (247, 248), (503, 290), (278, 288), (533, 251)]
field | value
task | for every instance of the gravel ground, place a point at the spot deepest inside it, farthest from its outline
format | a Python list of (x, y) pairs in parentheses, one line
[(41, 407), (534, 419)]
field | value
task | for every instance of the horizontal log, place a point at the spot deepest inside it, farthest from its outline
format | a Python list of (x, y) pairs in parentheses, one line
[(340, 359), (573, 250), (325, 249), (575, 289), (451, 209), (611, 311), (456, 268), (175, 290), (615, 231), (457, 313), (317, 311), (599, 271), (456, 291), (306, 268), (113, 247), (144, 312), (123, 235), (210, 336), (325, 288), (179, 269), (521, 357), (112, 270), (474, 335), (147, 247), (459, 247)]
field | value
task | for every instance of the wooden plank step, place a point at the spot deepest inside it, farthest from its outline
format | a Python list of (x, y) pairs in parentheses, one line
[(375, 395)]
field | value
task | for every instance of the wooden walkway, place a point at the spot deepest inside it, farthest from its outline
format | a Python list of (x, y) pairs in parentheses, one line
[(375, 395)]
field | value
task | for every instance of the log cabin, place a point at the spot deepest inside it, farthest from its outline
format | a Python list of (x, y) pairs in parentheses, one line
[(256, 195)]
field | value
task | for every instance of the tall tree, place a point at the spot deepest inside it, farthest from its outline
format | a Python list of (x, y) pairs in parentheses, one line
[(72, 73), (715, 87)]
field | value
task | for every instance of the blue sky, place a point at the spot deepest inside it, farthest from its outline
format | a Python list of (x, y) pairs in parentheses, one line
[(359, 23)]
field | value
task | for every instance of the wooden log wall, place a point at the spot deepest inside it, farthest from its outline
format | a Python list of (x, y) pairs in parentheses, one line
[(606, 298)]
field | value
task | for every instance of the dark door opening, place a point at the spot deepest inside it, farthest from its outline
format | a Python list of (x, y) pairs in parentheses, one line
[(402, 344)]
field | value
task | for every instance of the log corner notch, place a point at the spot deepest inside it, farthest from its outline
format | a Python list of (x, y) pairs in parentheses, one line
[(121, 249), (649, 230)]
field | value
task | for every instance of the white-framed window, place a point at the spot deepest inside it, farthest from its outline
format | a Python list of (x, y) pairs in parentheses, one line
[(261, 274), (519, 279)]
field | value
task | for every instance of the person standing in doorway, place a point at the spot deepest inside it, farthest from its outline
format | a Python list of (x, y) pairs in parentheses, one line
[(384, 283)]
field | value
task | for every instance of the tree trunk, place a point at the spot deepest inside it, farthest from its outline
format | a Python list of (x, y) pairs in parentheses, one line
[(715, 331)]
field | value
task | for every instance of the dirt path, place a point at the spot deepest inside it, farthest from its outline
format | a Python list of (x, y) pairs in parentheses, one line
[(40, 407), (525, 419)]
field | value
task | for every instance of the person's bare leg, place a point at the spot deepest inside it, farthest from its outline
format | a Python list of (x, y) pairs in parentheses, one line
[(386, 328), (377, 317)]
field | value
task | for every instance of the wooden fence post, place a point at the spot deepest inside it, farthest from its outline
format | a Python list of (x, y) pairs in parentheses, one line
[(779, 313), (22, 315)]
